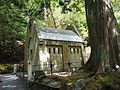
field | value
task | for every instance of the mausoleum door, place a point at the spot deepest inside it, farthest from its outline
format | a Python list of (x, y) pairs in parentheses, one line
[(74, 58), (56, 57)]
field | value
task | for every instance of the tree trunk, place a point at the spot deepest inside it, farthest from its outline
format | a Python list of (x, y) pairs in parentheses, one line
[(102, 28), (45, 11)]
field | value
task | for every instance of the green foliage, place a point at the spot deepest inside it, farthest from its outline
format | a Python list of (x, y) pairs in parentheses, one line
[(12, 28), (6, 68), (116, 8), (67, 13)]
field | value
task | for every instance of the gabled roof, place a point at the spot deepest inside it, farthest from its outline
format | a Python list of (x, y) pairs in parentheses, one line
[(57, 34)]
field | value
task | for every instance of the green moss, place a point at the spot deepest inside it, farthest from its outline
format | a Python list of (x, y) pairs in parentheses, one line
[(6, 68), (107, 81)]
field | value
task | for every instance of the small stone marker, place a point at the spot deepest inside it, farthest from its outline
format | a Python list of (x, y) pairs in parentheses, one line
[(79, 84)]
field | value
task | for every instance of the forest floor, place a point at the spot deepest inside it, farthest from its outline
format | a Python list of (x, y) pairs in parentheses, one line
[(89, 81), (86, 81)]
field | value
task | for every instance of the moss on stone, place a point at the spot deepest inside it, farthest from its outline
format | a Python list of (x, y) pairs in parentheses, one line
[(6, 68), (107, 81)]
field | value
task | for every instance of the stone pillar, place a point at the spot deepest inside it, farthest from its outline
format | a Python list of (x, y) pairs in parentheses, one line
[(15, 68), (29, 70), (65, 55)]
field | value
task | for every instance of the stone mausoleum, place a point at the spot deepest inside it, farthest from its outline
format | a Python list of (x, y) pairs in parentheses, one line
[(46, 46)]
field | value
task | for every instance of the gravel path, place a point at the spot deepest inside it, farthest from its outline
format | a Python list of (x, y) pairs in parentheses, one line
[(12, 82)]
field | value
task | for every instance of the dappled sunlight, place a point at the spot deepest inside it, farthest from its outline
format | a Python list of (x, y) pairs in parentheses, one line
[(9, 86), (11, 77), (61, 74), (117, 66), (107, 3), (115, 32), (11, 82), (44, 60)]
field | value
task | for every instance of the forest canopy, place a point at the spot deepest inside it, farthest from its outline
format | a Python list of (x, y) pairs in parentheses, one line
[(15, 15)]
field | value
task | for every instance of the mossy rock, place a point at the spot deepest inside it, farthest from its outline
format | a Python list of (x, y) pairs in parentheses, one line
[(6, 68)]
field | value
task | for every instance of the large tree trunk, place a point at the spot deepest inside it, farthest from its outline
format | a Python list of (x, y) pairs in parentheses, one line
[(102, 27)]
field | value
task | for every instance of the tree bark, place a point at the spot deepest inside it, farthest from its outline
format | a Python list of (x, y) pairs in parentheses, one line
[(45, 11), (102, 29)]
